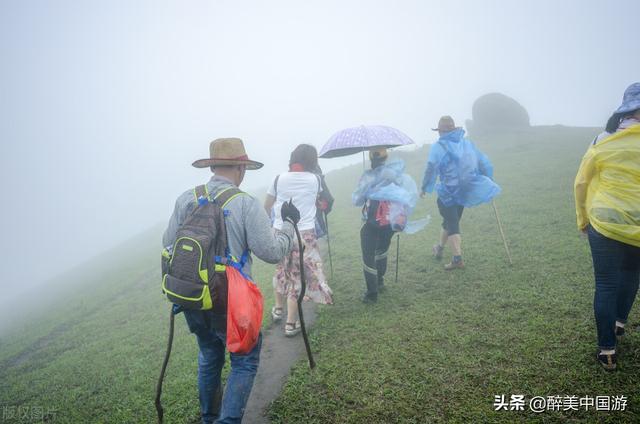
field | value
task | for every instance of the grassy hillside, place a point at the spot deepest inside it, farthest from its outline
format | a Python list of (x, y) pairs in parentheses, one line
[(437, 347)]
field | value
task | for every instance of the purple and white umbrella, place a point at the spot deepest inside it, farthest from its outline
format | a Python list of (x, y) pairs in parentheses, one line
[(358, 139)]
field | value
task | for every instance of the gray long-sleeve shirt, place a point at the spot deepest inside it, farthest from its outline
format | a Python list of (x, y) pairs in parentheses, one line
[(247, 223)]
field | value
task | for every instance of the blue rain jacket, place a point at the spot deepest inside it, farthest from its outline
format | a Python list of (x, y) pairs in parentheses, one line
[(388, 182), (465, 172)]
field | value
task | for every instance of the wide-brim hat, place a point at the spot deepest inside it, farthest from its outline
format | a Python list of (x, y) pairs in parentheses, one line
[(227, 152), (445, 124), (631, 99)]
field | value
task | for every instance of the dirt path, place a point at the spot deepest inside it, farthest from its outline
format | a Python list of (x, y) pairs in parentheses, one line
[(278, 355)]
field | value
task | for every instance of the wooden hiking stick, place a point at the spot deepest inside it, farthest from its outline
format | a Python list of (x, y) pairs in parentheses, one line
[(504, 239), (303, 289), (159, 409)]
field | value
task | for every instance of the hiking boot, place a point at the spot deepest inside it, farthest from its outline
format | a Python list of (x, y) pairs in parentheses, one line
[(292, 328), (454, 265), (381, 287), (369, 299), (437, 251), (607, 361), (276, 314)]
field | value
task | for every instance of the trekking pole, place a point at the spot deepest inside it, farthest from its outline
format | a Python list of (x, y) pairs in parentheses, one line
[(504, 240), (326, 220), (164, 368), (397, 255), (303, 289)]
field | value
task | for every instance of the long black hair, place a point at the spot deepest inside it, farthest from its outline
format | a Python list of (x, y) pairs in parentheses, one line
[(615, 119)]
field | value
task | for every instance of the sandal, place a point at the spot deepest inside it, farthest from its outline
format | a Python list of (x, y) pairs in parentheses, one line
[(292, 328), (276, 314)]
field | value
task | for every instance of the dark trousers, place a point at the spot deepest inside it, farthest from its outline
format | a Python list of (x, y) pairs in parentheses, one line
[(374, 241), (211, 360), (451, 216), (616, 267)]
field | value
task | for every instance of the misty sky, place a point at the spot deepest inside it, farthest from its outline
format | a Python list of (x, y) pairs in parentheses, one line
[(105, 104)]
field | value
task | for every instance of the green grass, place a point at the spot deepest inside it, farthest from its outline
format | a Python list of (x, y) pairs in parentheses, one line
[(437, 347)]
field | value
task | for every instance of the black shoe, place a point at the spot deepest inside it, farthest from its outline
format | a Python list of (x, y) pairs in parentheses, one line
[(370, 299), (619, 331), (608, 362)]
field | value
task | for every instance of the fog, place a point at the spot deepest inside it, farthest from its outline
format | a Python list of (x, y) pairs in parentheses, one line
[(105, 104)]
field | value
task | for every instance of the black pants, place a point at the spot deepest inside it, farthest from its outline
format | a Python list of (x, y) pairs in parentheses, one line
[(374, 241), (451, 216)]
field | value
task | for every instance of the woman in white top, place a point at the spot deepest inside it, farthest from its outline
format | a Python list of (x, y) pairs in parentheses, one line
[(302, 186)]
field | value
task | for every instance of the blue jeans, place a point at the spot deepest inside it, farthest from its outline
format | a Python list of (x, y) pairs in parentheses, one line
[(616, 267), (211, 359)]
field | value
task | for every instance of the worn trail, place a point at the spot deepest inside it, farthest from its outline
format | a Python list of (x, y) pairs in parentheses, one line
[(278, 355)]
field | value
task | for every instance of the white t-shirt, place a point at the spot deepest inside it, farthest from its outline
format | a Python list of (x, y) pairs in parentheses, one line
[(303, 188)]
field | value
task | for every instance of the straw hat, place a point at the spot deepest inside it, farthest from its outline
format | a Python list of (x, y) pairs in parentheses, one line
[(445, 124), (227, 152)]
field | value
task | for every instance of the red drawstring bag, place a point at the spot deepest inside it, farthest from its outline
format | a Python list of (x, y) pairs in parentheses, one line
[(244, 312)]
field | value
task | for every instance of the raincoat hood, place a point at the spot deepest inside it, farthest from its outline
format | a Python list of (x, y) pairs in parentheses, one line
[(453, 142), (454, 136)]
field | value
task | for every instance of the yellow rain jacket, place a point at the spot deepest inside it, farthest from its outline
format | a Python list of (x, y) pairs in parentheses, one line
[(607, 187)]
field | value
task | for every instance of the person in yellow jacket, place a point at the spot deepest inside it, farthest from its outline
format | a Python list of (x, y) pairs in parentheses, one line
[(607, 196)]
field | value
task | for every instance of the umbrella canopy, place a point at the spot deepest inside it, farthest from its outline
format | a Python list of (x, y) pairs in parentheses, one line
[(358, 139)]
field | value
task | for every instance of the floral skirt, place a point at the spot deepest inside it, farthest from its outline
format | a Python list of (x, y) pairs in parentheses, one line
[(287, 279)]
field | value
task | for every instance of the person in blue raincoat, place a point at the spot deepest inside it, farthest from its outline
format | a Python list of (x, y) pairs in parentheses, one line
[(465, 175), (387, 196)]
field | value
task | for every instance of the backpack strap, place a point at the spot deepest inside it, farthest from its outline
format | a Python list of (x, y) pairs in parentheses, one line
[(222, 198), (275, 186), (319, 184), (226, 195), (201, 191), (445, 148)]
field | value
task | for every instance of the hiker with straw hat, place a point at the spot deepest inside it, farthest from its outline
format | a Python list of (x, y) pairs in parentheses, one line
[(248, 230), (465, 175)]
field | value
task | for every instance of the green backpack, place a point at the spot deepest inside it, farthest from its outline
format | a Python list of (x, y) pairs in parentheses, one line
[(194, 268)]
